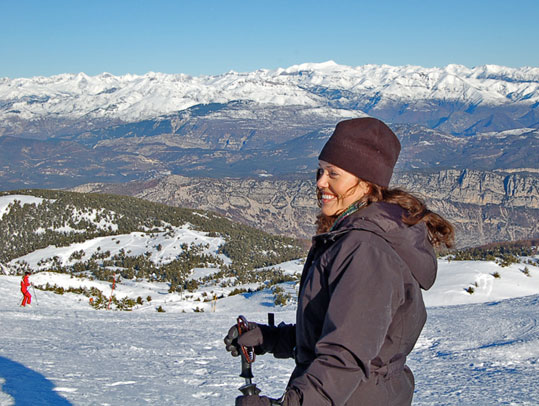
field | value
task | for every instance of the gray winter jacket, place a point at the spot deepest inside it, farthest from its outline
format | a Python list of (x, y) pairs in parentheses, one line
[(360, 310)]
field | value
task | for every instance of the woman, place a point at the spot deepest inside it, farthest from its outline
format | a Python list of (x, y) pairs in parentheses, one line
[(26, 296), (360, 307)]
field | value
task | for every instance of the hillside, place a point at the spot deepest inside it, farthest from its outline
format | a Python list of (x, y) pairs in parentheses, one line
[(90, 240), (102, 235)]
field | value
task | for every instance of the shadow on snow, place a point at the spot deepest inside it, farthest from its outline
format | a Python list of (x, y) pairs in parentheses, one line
[(28, 387)]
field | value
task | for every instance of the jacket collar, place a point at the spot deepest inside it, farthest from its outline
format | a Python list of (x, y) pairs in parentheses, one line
[(410, 242)]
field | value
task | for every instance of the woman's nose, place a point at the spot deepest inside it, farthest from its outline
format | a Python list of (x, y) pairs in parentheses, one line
[(322, 181)]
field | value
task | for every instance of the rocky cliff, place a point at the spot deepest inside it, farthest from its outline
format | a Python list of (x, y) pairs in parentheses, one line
[(484, 206)]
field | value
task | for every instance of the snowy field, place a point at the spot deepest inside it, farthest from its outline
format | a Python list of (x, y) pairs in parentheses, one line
[(476, 349)]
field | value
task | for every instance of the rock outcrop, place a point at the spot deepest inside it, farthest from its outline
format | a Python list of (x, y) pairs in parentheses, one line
[(484, 206)]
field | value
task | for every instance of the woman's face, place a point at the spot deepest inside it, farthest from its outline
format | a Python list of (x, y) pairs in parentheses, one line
[(339, 188)]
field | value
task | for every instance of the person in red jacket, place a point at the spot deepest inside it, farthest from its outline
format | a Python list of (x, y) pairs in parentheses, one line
[(25, 283)]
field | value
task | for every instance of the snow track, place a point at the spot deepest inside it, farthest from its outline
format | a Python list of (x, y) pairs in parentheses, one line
[(482, 354)]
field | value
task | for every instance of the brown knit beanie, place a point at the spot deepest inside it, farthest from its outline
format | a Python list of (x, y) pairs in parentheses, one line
[(365, 147)]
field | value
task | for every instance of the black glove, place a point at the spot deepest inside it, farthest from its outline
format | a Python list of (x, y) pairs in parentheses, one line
[(290, 398), (255, 336), (252, 400)]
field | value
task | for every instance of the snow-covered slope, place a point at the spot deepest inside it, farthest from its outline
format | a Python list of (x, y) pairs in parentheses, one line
[(61, 352), (478, 347), (6, 201), (136, 243), (132, 98)]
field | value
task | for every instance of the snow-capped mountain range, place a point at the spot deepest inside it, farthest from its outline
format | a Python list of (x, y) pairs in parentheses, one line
[(328, 88)]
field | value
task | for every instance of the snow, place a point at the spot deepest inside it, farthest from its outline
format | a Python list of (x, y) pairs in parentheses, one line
[(479, 348), (199, 273), (135, 244), (91, 216), (506, 133), (5, 201), (456, 276), (133, 97)]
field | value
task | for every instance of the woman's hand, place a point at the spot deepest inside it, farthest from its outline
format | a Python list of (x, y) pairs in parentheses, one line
[(253, 337), (290, 398), (253, 400)]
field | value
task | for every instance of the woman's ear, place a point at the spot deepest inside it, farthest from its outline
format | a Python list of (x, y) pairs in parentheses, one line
[(364, 187)]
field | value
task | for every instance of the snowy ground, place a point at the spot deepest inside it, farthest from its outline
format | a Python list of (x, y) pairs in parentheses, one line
[(479, 349)]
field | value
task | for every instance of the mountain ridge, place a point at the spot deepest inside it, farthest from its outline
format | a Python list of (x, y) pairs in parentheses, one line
[(368, 89)]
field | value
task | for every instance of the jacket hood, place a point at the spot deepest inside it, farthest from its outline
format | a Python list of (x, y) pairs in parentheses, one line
[(410, 242)]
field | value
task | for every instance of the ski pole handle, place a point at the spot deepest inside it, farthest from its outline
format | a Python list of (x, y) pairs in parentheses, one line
[(246, 371), (247, 354), (271, 319), (247, 358)]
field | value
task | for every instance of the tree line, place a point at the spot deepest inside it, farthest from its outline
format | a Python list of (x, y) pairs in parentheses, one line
[(65, 218)]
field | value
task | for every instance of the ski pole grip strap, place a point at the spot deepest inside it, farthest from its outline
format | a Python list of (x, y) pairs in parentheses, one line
[(247, 352)]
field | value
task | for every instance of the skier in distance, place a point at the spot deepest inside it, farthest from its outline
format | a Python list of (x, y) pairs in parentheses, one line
[(25, 283)]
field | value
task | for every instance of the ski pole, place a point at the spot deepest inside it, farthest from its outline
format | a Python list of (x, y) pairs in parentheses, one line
[(271, 323), (271, 319), (112, 290), (247, 358), (35, 296)]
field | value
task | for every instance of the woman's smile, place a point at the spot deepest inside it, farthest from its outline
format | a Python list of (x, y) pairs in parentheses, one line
[(327, 197)]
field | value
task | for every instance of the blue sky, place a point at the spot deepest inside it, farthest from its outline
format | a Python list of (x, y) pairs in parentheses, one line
[(47, 37)]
